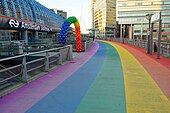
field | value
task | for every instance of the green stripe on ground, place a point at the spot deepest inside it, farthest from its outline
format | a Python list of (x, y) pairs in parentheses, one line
[(107, 93)]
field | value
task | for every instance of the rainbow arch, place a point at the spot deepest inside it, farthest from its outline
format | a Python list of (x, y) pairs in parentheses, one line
[(65, 28)]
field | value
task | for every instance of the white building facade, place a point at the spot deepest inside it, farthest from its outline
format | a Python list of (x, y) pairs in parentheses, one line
[(131, 17)]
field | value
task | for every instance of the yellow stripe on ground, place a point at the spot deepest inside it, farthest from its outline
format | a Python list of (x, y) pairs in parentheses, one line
[(142, 94)]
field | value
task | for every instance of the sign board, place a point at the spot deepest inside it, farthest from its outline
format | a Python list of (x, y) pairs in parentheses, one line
[(155, 18), (14, 23), (32, 26)]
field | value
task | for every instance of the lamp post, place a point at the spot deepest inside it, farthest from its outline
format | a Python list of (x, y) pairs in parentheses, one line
[(123, 41), (148, 17)]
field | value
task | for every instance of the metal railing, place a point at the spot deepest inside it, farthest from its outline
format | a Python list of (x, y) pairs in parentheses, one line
[(9, 74), (85, 45), (31, 63), (12, 48), (165, 46)]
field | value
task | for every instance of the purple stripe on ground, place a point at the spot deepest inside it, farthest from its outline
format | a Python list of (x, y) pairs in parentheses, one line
[(25, 97)]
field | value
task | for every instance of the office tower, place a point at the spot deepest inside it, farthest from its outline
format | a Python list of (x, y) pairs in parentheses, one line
[(132, 18), (104, 18)]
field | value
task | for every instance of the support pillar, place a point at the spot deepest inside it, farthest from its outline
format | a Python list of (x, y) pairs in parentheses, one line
[(141, 35), (131, 32), (25, 36), (35, 38), (159, 36), (151, 47), (121, 31)]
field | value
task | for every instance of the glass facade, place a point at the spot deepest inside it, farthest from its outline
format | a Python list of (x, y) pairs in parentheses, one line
[(104, 17), (132, 13), (27, 21), (30, 10)]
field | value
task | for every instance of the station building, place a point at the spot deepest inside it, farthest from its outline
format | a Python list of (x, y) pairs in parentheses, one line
[(28, 21)]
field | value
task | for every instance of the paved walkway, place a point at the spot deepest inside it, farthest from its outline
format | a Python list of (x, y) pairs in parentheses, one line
[(108, 78)]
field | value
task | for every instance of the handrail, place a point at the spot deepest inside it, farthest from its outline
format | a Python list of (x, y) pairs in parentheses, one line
[(45, 58), (165, 46), (35, 60), (7, 70), (29, 54), (9, 78)]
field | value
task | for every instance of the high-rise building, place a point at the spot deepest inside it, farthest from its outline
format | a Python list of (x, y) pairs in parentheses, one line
[(104, 18), (92, 10), (134, 25)]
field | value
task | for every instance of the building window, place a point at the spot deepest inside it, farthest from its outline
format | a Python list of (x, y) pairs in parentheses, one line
[(24, 13), (144, 31), (124, 4), (22, 5), (166, 3), (137, 31), (164, 36), (138, 4), (28, 12), (17, 11), (9, 8), (1, 8)]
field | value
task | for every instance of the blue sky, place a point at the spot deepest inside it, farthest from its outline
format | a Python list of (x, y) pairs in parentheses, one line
[(78, 8)]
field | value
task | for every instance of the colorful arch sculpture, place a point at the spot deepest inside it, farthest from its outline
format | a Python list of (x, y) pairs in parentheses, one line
[(64, 30)]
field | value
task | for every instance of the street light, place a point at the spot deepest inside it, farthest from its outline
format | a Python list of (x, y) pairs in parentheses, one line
[(148, 17), (123, 34)]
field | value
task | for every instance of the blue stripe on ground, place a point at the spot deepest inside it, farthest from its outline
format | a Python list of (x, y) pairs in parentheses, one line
[(107, 93), (66, 97)]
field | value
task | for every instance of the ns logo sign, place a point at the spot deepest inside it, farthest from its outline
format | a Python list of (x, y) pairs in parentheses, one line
[(13, 23)]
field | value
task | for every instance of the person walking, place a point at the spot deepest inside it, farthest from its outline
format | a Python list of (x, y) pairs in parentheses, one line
[(155, 47)]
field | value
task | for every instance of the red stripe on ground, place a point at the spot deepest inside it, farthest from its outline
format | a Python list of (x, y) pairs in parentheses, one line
[(159, 69), (163, 60)]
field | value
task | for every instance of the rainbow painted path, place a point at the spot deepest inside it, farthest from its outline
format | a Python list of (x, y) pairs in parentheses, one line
[(108, 78)]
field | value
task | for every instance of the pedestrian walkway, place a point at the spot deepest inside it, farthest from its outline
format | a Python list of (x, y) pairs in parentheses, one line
[(109, 78)]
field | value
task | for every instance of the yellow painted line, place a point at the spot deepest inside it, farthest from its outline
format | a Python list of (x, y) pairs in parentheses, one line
[(142, 93)]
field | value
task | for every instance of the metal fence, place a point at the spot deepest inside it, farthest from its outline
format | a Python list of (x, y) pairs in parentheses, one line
[(165, 46), (15, 48), (23, 68), (22, 63), (85, 44)]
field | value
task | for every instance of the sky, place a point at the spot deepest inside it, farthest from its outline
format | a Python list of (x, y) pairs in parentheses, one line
[(78, 8)]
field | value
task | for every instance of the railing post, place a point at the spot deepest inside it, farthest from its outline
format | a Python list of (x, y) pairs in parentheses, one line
[(161, 49), (61, 57), (168, 51), (24, 69), (47, 62), (85, 46), (70, 53)]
